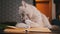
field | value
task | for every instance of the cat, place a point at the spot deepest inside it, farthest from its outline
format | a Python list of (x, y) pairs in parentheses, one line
[(32, 17)]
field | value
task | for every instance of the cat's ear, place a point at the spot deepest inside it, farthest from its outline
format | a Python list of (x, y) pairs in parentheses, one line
[(23, 3)]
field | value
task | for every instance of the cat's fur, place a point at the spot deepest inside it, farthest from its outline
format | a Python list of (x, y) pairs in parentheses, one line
[(32, 17)]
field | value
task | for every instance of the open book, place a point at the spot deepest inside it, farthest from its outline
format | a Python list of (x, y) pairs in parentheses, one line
[(39, 30), (12, 29)]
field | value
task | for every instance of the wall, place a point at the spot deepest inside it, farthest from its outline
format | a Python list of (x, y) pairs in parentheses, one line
[(0, 10), (53, 10), (10, 10)]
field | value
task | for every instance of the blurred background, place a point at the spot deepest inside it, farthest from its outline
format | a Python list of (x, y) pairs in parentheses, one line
[(9, 10)]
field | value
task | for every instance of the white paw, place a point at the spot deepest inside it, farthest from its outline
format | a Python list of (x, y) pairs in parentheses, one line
[(20, 25)]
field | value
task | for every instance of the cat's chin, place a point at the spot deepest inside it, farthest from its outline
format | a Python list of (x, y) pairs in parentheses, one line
[(27, 21)]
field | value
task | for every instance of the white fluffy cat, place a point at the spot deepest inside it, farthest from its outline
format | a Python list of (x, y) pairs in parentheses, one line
[(33, 17)]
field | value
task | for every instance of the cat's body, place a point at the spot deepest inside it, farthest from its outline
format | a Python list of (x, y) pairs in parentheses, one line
[(33, 17)]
